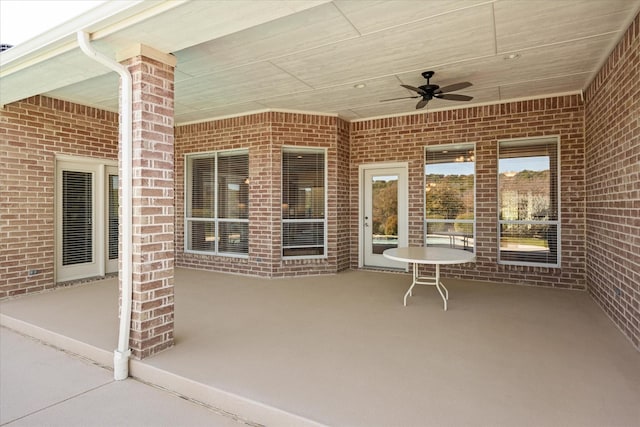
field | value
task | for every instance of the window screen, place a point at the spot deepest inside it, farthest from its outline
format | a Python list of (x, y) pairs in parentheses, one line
[(528, 190), (303, 203), (217, 211), (450, 196)]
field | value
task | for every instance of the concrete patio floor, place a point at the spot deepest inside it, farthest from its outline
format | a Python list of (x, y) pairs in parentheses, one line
[(342, 350), (44, 386)]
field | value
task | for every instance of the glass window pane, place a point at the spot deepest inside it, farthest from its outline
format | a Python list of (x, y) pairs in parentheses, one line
[(528, 206), (526, 194), (77, 217), (529, 243), (202, 188), (234, 237), (113, 216), (229, 170), (303, 197), (528, 180), (202, 236), (457, 235), (450, 196), (233, 186), (384, 226), (303, 238), (303, 185)]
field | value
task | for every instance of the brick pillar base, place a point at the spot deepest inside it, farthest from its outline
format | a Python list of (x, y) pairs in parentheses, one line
[(153, 202)]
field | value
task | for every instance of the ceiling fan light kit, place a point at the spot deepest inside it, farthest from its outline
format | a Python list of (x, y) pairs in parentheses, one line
[(429, 91)]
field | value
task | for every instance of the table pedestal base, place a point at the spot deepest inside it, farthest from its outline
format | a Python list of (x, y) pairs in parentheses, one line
[(426, 280)]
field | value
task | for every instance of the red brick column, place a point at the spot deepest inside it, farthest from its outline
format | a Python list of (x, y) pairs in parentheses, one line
[(153, 201)]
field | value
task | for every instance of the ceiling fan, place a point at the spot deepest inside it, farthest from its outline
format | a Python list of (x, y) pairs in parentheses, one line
[(428, 92)]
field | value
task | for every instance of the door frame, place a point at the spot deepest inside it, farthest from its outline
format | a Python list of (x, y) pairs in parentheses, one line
[(99, 168), (403, 226)]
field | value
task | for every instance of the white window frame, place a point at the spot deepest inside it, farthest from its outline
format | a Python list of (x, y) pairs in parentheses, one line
[(314, 150), (475, 191), (557, 222), (187, 203)]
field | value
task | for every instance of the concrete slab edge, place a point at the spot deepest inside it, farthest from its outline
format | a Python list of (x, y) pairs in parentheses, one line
[(245, 410), (97, 355)]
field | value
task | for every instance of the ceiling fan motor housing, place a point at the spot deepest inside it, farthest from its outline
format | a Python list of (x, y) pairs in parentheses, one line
[(428, 88)]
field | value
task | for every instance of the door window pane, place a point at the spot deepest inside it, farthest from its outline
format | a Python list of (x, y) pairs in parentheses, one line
[(112, 219), (77, 217), (384, 208)]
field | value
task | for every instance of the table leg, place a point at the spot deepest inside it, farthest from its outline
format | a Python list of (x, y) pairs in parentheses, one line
[(415, 280), (439, 285), (428, 281)]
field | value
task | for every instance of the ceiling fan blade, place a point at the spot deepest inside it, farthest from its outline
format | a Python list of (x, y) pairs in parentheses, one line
[(395, 99), (453, 97), (422, 103), (415, 89), (454, 87)]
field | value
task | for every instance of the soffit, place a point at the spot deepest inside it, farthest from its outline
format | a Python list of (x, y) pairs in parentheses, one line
[(243, 56)]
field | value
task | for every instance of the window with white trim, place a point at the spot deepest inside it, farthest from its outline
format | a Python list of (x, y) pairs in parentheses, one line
[(529, 202), (217, 203), (450, 193), (304, 222)]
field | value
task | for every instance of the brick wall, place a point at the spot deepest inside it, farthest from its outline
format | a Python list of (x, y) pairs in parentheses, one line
[(264, 135), (613, 184), (344, 196), (152, 191), (402, 139), (32, 133)]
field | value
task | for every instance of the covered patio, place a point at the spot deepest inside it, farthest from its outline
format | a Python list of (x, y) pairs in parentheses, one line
[(342, 350)]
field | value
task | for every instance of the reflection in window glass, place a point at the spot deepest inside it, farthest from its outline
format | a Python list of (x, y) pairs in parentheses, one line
[(528, 201), (384, 210), (450, 196)]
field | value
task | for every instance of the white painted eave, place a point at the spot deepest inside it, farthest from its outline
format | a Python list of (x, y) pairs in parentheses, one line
[(63, 37)]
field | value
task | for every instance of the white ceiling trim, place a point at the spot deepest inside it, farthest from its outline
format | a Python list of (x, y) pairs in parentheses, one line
[(260, 111), (462, 107)]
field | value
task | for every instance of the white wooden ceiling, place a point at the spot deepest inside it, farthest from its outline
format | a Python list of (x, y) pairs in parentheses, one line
[(243, 56)]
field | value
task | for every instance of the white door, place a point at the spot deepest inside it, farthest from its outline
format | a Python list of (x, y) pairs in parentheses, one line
[(384, 213), (86, 228)]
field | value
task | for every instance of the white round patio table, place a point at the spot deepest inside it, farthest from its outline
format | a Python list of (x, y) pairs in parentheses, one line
[(429, 255)]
